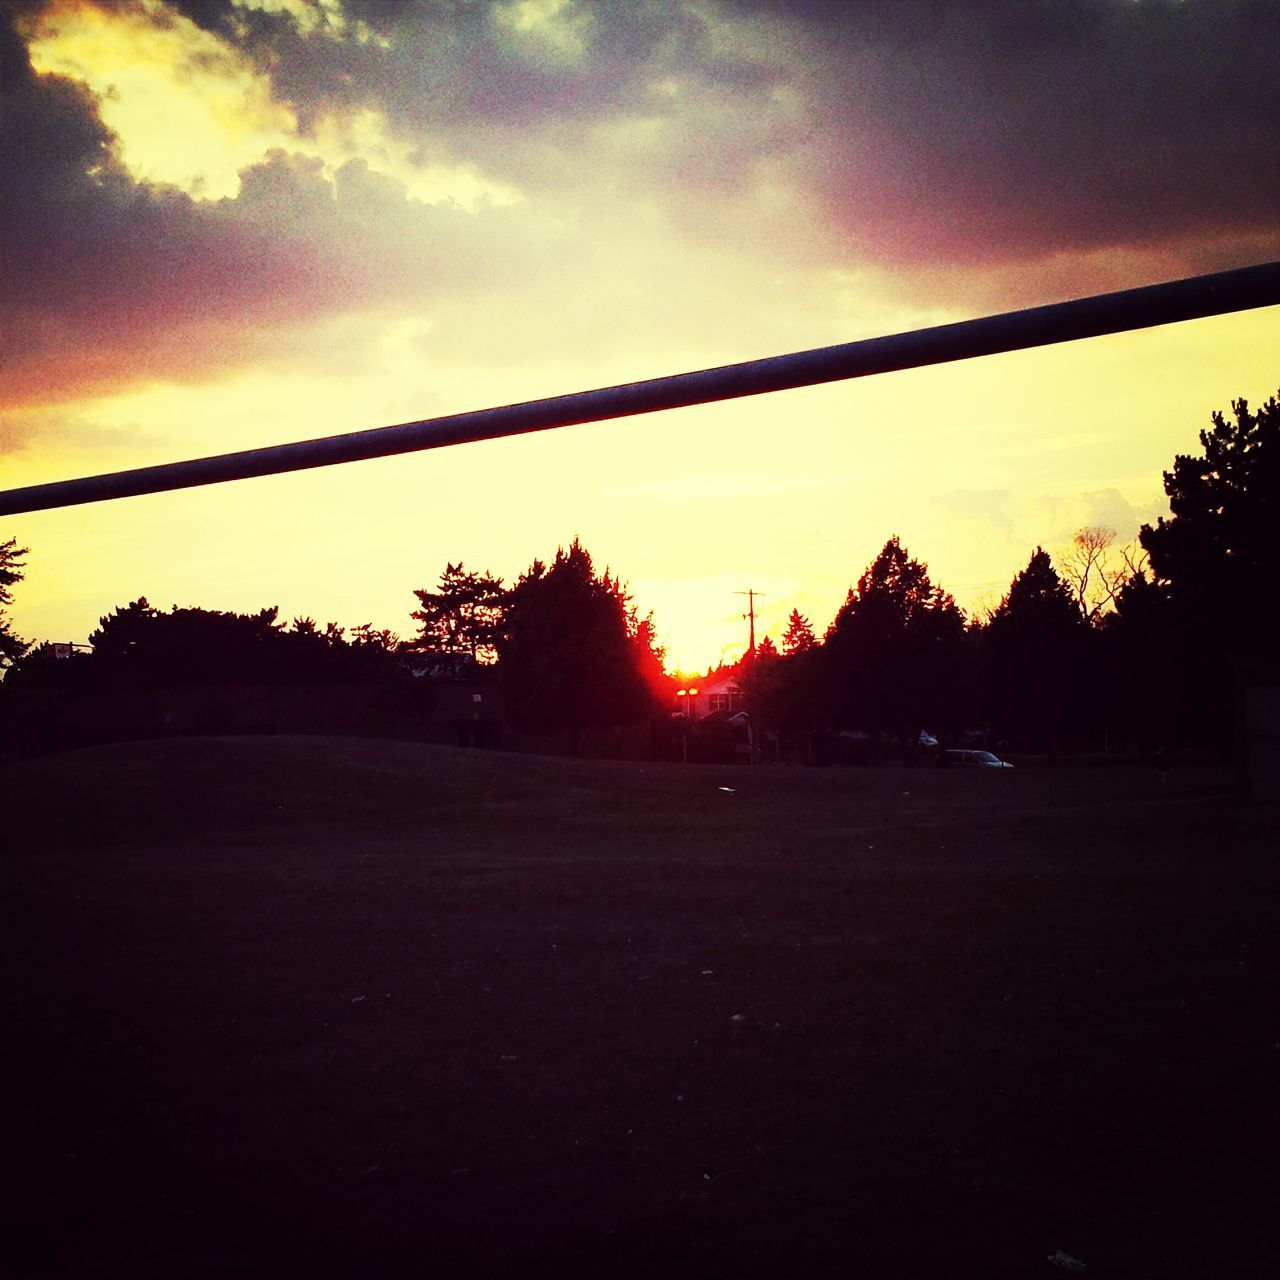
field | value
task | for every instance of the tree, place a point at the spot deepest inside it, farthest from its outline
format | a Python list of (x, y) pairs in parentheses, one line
[(367, 636), (1145, 673), (895, 650), (138, 646), (1217, 553), (12, 647), (799, 637), (462, 619), (650, 654), (573, 654), (1096, 570), (1198, 631), (1035, 649)]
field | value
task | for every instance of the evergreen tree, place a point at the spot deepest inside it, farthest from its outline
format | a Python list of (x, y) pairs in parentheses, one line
[(1220, 547), (650, 654), (799, 637), (1188, 637), (140, 646), (573, 654), (11, 566), (1036, 646), (463, 618), (367, 636), (1146, 678), (895, 650)]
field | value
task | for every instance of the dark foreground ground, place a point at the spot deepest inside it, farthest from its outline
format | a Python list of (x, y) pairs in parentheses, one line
[(312, 1007)]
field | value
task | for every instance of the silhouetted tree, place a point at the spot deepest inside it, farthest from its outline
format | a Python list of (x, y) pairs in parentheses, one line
[(1096, 570), (120, 631), (1214, 558), (799, 637), (1146, 674), (139, 646), (1035, 646), (366, 635), (462, 619), (755, 677), (650, 654), (573, 656), (12, 647), (788, 690), (895, 651)]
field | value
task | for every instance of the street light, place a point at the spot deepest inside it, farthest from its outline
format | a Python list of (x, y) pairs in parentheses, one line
[(691, 705), (686, 714)]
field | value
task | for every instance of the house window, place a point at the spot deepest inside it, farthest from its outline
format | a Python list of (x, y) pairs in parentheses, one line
[(719, 702)]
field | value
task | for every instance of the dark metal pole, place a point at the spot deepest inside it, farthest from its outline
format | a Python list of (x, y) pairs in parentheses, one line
[(1190, 299)]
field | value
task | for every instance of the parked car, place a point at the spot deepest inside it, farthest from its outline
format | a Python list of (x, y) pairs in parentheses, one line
[(971, 760), (927, 741)]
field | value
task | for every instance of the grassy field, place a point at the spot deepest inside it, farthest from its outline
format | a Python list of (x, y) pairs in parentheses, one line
[(306, 1006)]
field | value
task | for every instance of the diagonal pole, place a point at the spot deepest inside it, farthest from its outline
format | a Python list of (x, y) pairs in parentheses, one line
[(1190, 299)]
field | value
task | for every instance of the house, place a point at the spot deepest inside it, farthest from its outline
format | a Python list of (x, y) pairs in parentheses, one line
[(719, 692)]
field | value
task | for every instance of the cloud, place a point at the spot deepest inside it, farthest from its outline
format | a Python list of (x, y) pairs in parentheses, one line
[(110, 280), (53, 427), (1024, 519), (927, 133), (114, 276), (983, 132), (1110, 509), (598, 177)]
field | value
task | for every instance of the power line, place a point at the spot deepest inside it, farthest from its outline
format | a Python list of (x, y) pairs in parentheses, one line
[(1190, 299)]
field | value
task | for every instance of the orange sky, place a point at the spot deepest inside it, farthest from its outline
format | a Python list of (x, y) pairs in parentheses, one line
[(238, 224)]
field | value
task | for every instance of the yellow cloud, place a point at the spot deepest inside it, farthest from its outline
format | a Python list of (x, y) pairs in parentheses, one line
[(186, 109), (189, 110)]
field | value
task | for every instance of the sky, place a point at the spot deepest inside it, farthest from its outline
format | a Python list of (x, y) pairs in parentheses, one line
[(233, 223)]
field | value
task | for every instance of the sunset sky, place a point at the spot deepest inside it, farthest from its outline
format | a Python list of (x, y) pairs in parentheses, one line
[(230, 223)]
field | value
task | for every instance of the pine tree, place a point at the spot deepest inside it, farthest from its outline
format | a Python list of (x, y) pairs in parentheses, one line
[(799, 637), (1219, 549), (12, 647), (895, 650), (573, 654), (463, 618), (1037, 649)]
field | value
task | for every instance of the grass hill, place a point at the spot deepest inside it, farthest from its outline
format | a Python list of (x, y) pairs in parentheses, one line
[(316, 1006)]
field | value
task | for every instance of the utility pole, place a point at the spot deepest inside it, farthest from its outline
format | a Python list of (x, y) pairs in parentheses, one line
[(751, 594), (753, 743)]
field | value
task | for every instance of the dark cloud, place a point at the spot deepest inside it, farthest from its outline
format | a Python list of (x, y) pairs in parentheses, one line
[(928, 132), (948, 145), (977, 132)]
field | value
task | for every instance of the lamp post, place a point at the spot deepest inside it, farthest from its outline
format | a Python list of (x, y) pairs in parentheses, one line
[(686, 714)]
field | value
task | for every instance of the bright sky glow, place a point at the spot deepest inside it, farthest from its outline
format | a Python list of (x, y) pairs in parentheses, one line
[(359, 216)]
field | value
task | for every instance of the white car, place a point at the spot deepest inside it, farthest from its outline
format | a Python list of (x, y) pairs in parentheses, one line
[(971, 760)]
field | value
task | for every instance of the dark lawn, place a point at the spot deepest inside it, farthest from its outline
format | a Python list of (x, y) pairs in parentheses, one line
[(328, 1007)]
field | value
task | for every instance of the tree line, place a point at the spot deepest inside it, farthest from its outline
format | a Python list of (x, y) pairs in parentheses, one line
[(565, 641), (1154, 640)]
